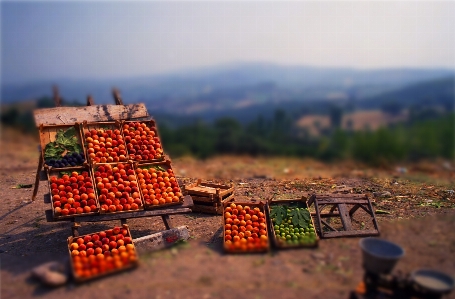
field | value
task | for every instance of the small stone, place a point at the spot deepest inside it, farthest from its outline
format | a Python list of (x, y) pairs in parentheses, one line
[(318, 255), (51, 273)]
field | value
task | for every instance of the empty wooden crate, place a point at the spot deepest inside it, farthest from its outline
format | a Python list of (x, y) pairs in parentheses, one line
[(208, 197)]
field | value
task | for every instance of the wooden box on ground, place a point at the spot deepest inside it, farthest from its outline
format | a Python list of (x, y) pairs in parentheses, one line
[(48, 134), (344, 215), (253, 238), (83, 198), (208, 197), (152, 192), (86, 265), (151, 144), (113, 198), (309, 237)]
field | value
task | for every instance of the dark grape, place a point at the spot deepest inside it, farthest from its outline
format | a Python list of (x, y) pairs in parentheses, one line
[(74, 154), (73, 164)]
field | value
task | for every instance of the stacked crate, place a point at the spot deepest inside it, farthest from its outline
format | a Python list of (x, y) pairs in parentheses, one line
[(209, 197)]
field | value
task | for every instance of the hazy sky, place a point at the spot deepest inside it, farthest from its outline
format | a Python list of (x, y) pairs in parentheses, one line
[(49, 40)]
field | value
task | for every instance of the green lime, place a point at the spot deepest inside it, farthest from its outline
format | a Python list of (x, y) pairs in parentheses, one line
[(288, 237)]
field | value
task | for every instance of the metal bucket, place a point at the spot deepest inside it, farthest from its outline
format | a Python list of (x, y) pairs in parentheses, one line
[(379, 256), (433, 281)]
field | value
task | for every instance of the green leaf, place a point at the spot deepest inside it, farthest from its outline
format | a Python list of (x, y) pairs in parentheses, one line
[(64, 141), (300, 217), (279, 213)]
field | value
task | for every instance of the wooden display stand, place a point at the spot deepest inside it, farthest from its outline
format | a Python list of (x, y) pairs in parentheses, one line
[(98, 113), (209, 197), (339, 208)]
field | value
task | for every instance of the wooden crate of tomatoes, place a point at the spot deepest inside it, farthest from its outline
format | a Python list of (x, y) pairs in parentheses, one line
[(117, 187), (158, 184), (245, 227), (142, 140), (99, 254), (72, 192), (104, 142)]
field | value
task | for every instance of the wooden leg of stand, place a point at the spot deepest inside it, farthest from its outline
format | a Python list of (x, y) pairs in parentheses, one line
[(123, 221), (40, 165), (167, 221), (75, 228)]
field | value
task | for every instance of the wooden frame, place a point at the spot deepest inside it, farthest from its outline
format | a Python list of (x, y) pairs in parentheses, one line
[(275, 241), (339, 202)]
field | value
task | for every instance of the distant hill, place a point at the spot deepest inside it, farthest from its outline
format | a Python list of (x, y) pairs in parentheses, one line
[(229, 84), (439, 92)]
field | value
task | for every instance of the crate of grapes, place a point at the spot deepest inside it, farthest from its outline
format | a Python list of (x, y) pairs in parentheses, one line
[(291, 224), (209, 197), (62, 146)]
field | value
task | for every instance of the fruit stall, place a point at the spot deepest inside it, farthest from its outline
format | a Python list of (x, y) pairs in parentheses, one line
[(102, 163)]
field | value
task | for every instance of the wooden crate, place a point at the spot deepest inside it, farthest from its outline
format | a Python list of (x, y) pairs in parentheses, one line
[(288, 202), (48, 134), (261, 206), (109, 125), (208, 197), (207, 207), (152, 125), (94, 170), (58, 172), (79, 279), (163, 165)]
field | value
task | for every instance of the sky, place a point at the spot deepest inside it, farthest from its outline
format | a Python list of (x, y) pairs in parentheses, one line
[(102, 40)]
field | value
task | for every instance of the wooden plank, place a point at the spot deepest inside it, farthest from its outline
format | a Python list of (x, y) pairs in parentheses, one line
[(341, 201), (96, 113), (37, 178), (328, 225), (345, 218), (351, 233), (204, 199), (161, 240), (336, 195)]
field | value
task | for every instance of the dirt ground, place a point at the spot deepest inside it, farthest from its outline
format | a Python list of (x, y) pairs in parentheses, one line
[(414, 203)]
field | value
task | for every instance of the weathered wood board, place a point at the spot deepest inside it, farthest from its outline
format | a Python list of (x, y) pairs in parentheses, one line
[(97, 113)]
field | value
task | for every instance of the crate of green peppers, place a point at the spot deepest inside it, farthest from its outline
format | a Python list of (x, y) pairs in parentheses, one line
[(291, 224)]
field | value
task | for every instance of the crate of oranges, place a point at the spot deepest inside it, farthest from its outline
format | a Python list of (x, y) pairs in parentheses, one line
[(158, 184), (102, 253)]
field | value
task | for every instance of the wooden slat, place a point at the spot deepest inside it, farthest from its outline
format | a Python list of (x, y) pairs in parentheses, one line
[(204, 199), (341, 201), (328, 225), (345, 218), (351, 233), (96, 113)]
